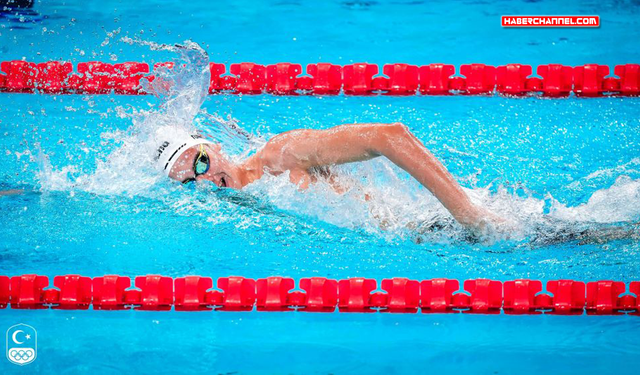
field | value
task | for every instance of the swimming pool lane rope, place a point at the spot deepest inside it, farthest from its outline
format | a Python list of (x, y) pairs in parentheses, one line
[(552, 80), (319, 294)]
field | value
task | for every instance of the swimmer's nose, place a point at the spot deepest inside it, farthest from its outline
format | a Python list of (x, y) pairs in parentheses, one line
[(203, 177), (218, 180)]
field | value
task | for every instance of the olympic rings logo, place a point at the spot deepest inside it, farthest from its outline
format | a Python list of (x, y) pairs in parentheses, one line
[(21, 354), (22, 344)]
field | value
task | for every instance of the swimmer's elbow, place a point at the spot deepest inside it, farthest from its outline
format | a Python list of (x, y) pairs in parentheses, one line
[(391, 135), (397, 130)]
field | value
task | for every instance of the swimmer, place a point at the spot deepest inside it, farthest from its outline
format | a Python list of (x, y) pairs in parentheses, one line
[(306, 154)]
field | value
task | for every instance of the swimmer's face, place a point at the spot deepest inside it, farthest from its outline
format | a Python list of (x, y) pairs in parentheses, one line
[(221, 171)]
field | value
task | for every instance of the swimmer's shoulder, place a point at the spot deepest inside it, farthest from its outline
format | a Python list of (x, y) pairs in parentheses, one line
[(282, 151)]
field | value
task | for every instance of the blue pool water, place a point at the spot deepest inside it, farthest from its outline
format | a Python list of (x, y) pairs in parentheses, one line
[(93, 206)]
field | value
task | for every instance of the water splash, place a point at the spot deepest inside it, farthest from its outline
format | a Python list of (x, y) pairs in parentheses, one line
[(618, 203), (129, 169)]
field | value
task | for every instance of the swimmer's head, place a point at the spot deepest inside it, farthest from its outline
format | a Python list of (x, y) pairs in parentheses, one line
[(191, 157)]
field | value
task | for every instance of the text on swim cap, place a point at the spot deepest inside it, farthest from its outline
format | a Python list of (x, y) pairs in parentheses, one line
[(162, 147)]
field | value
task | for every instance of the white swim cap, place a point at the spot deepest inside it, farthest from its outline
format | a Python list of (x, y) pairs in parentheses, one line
[(174, 144)]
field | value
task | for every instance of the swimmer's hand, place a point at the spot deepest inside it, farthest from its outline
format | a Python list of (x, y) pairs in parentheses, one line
[(484, 223)]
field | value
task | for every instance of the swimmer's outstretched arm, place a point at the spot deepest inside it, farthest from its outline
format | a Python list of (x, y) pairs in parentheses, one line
[(358, 142)]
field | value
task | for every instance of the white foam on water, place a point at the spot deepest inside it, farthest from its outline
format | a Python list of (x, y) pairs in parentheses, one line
[(618, 203)]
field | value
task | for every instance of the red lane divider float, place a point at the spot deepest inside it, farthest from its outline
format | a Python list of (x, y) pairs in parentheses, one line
[(319, 294), (552, 80)]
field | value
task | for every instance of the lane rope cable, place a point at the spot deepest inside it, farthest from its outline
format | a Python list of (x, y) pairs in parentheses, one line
[(320, 294), (513, 80)]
